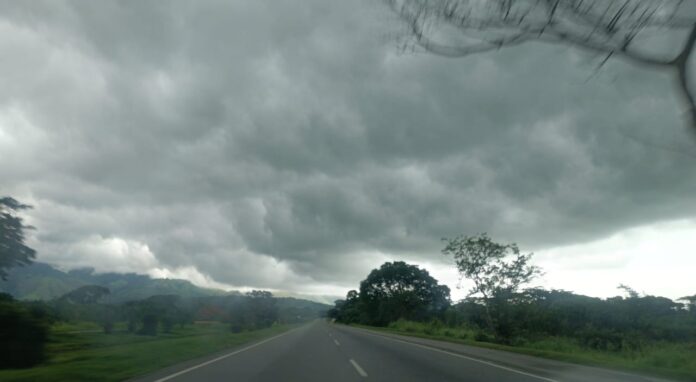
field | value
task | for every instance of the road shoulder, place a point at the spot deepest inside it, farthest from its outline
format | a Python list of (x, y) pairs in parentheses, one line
[(553, 369)]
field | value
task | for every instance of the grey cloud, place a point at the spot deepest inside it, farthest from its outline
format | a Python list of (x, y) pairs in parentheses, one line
[(277, 144)]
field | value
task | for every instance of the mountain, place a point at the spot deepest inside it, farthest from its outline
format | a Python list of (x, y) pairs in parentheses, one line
[(41, 281)]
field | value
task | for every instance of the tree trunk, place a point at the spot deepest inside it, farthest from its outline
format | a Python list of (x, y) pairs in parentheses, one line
[(489, 318)]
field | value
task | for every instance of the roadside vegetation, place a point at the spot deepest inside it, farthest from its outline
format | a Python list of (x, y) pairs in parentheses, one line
[(670, 359), (77, 338), (82, 352), (83, 335), (635, 332)]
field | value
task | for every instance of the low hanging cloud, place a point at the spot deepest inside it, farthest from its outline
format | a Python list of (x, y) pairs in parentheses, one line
[(289, 145)]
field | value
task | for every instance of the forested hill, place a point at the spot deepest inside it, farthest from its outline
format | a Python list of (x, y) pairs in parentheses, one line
[(43, 282)]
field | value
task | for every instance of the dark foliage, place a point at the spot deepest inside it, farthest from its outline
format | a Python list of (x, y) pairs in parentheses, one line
[(23, 334), (149, 327), (88, 294), (497, 270), (395, 290), (256, 310), (13, 250), (614, 324)]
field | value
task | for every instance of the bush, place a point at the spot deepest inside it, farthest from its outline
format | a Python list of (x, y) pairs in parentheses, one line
[(407, 326), (597, 339), (434, 327), (22, 335), (483, 337)]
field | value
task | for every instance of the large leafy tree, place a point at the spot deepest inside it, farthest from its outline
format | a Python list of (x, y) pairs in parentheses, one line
[(263, 308), (497, 271), (399, 290), (256, 310), (13, 250)]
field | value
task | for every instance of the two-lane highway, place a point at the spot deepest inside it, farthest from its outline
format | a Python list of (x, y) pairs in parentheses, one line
[(324, 352)]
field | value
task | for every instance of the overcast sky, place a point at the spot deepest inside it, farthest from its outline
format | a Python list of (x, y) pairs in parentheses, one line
[(289, 145)]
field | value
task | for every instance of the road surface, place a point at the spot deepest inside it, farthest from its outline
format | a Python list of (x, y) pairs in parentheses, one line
[(321, 351)]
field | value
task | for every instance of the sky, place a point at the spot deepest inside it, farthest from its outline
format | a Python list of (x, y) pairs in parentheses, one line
[(293, 146)]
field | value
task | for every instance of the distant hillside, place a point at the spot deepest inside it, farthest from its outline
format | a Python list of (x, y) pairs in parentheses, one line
[(42, 282)]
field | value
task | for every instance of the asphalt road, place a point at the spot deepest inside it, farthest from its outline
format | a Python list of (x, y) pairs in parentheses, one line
[(327, 352)]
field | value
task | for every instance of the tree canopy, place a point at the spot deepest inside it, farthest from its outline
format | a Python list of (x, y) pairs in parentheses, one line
[(494, 268), (400, 290), (497, 271), (256, 310), (13, 250)]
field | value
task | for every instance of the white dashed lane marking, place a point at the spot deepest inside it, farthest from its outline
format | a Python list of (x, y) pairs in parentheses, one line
[(358, 368)]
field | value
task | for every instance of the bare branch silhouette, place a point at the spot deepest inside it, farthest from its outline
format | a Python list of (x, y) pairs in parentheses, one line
[(458, 28)]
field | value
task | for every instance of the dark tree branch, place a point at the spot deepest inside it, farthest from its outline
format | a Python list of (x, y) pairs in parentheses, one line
[(681, 64), (609, 28)]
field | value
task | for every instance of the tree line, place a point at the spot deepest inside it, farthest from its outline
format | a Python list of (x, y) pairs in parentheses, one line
[(500, 309), (25, 325)]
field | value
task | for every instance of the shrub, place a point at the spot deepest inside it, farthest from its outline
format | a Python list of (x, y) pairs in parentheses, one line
[(483, 337), (597, 339)]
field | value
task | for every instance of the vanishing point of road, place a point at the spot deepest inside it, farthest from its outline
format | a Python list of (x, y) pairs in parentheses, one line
[(320, 351)]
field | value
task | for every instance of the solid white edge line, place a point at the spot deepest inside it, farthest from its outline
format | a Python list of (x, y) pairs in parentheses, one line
[(358, 368), (465, 357), (337, 343), (206, 363)]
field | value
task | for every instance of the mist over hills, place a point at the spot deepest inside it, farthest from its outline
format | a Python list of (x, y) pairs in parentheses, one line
[(40, 281)]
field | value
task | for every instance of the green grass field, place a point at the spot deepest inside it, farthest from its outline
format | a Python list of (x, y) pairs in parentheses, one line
[(672, 360), (80, 352)]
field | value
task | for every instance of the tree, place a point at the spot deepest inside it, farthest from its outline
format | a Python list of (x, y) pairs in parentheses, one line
[(630, 292), (348, 310), (149, 327), (13, 250), (256, 310), (399, 290), (158, 308), (497, 270), (263, 308), (83, 304), (615, 28), (690, 302)]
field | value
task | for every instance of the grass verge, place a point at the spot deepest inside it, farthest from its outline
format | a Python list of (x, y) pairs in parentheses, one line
[(78, 353), (672, 360)]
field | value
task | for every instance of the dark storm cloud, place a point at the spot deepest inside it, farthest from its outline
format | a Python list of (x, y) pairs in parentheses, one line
[(277, 144)]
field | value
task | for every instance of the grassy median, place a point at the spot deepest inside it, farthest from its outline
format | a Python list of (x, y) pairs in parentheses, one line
[(672, 360), (80, 352)]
